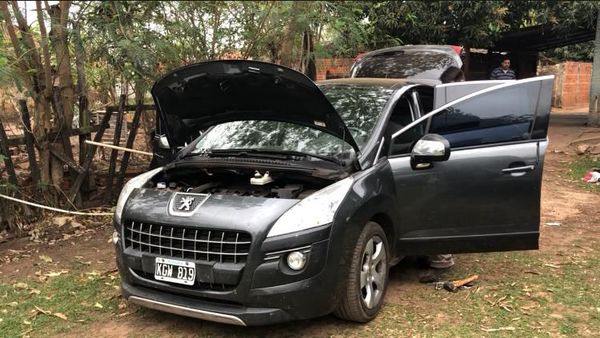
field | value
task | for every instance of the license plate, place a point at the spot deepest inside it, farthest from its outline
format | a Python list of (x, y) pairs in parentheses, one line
[(174, 271)]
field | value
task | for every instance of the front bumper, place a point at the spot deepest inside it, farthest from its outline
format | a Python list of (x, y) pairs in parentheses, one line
[(267, 292)]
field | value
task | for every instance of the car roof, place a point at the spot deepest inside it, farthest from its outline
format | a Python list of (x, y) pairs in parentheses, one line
[(446, 49), (378, 82)]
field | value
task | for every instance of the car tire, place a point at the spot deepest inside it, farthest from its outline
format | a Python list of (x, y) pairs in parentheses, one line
[(366, 282)]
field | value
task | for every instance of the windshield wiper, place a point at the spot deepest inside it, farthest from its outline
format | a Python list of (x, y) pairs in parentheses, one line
[(272, 154)]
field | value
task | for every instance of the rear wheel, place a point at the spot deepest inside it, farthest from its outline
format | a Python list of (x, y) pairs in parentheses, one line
[(366, 282)]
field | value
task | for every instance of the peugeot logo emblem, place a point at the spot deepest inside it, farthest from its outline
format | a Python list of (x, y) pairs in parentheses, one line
[(186, 203)]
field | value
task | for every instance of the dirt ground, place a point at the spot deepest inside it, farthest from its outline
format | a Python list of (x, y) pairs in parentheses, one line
[(569, 228)]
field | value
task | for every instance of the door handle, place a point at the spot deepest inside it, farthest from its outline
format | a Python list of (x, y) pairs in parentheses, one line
[(522, 169)]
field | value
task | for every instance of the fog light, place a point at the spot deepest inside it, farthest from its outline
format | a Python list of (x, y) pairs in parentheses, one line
[(296, 260), (115, 237)]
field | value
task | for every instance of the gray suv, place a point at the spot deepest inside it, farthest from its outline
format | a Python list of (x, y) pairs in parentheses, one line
[(297, 198), (408, 62)]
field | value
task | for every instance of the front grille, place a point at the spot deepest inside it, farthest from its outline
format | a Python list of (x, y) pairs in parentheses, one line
[(188, 243)]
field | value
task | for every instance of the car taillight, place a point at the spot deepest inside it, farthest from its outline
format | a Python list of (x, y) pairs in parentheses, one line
[(358, 57), (457, 49)]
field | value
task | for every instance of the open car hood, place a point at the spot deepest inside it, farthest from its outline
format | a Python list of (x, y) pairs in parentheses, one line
[(193, 98)]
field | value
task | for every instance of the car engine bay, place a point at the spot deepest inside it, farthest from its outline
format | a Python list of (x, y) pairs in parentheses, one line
[(239, 182)]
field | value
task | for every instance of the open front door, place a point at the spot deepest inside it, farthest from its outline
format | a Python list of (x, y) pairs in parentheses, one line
[(486, 196)]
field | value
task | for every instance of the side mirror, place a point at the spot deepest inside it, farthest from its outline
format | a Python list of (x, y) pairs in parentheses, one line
[(430, 148), (163, 142)]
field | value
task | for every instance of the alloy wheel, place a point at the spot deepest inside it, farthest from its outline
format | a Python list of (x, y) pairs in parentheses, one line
[(373, 272)]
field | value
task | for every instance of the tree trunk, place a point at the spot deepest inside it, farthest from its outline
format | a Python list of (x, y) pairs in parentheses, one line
[(59, 15), (286, 52), (308, 55), (29, 142), (32, 74), (594, 116), (64, 97)]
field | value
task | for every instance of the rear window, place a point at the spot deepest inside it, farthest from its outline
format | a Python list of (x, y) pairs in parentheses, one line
[(405, 64)]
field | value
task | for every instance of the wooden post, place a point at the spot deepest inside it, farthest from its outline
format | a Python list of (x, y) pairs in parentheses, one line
[(130, 139), (89, 183), (29, 140), (10, 167), (89, 156), (467, 63), (113, 155), (84, 121)]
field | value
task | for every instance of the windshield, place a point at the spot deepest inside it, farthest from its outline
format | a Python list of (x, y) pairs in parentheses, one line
[(406, 65), (358, 106), (271, 136)]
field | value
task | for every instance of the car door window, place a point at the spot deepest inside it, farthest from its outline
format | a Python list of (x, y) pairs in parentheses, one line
[(503, 115), (498, 116), (425, 95), (404, 113)]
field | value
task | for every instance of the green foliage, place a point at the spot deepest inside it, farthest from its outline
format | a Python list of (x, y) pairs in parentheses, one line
[(442, 22), (7, 70), (476, 23), (138, 40), (579, 52)]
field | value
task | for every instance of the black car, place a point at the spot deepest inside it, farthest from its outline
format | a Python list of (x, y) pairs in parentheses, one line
[(297, 198)]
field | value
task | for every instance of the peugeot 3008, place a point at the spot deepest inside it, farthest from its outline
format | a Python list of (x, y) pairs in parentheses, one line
[(297, 198)]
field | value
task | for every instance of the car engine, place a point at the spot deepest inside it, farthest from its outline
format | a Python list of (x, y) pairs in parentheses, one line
[(265, 184)]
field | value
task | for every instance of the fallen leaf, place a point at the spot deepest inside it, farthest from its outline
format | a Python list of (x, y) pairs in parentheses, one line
[(46, 312), (505, 328), (34, 292), (56, 273), (60, 220), (60, 315), (26, 322), (98, 305), (46, 259), (20, 285), (76, 225), (552, 266)]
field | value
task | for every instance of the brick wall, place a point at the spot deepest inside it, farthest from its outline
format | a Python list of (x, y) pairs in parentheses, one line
[(337, 68), (571, 83)]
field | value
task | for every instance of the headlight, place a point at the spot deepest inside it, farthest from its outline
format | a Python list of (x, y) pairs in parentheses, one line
[(136, 182), (313, 211)]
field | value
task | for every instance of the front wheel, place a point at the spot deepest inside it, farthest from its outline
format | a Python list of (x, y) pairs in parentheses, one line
[(366, 282)]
